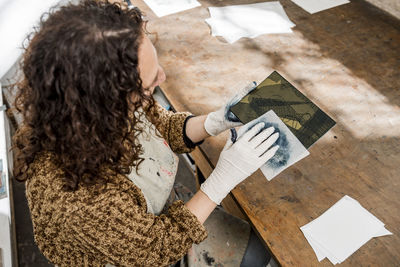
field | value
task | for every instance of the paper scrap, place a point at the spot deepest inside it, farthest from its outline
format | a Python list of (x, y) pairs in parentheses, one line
[(290, 149), (342, 230), (235, 22), (314, 6), (166, 7)]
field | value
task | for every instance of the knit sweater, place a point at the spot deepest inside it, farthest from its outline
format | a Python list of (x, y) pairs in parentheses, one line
[(100, 224)]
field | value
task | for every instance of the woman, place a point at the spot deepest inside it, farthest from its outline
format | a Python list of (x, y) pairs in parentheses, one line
[(96, 151)]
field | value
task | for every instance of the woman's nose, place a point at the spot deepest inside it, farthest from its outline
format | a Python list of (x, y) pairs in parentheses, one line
[(161, 76)]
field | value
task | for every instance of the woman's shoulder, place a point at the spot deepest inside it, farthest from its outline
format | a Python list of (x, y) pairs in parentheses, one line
[(44, 173)]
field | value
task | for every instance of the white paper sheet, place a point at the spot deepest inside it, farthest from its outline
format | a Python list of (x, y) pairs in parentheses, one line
[(231, 33), (235, 22), (254, 14), (383, 232), (342, 230), (290, 149), (167, 7), (320, 251), (314, 6)]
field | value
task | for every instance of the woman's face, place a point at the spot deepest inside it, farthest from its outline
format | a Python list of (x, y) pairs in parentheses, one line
[(151, 73)]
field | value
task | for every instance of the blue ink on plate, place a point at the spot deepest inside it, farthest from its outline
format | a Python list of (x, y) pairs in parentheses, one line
[(229, 116)]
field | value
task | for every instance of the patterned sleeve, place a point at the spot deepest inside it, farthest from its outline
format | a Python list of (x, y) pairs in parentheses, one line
[(122, 233), (172, 129)]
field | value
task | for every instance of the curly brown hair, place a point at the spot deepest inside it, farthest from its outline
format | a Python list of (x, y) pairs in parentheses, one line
[(80, 75)]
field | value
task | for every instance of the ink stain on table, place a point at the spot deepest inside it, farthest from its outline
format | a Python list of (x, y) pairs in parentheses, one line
[(291, 199)]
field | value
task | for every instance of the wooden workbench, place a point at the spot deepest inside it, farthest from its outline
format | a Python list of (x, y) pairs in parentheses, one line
[(346, 60)]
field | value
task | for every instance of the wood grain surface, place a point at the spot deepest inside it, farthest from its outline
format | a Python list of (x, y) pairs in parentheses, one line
[(346, 60)]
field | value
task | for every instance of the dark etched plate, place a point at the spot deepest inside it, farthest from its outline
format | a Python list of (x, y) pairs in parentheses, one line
[(307, 121)]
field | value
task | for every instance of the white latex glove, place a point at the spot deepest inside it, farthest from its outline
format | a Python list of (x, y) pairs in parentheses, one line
[(223, 119), (239, 160)]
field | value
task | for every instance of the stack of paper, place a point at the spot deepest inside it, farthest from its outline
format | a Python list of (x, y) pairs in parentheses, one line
[(342, 230), (167, 7), (235, 22), (314, 6)]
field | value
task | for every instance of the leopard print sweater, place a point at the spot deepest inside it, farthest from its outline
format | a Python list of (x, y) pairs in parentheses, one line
[(100, 224)]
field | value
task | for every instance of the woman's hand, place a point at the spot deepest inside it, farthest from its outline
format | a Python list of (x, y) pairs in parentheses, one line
[(223, 119), (239, 160)]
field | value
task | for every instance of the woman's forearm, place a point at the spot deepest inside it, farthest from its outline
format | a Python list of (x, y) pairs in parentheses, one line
[(195, 128), (201, 206)]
